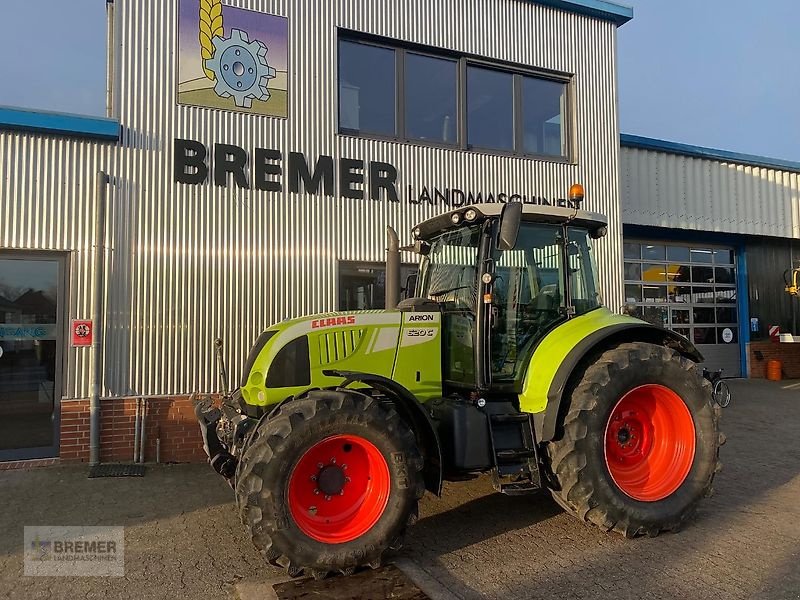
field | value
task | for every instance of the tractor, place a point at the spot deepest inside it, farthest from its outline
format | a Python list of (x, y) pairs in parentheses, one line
[(501, 361)]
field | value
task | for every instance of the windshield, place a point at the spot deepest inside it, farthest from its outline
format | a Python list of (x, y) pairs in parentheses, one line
[(448, 273)]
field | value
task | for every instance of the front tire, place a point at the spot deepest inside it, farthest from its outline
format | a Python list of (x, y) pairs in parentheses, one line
[(640, 443), (329, 483)]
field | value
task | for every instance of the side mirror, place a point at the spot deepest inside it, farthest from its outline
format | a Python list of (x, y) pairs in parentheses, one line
[(510, 219), (422, 247)]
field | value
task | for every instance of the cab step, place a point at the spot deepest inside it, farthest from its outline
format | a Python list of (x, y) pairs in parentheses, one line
[(518, 454), (515, 453), (520, 488)]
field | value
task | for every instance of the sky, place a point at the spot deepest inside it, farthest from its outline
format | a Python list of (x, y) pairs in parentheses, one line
[(54, 55), (716, 73)]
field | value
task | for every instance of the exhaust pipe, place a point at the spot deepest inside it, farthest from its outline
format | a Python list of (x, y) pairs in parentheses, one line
[(392, 285)]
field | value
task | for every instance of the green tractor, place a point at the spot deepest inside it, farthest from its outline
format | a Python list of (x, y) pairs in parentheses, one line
[(503, 362)]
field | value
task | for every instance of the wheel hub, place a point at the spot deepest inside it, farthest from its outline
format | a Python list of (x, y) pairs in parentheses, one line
[(339, 489), (623, 436), (331, 480)]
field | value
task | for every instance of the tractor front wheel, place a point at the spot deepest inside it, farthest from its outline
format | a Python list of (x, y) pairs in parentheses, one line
[(329, 483), (640, 441)]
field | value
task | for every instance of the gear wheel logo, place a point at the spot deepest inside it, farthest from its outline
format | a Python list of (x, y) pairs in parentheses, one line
[(241, 69)]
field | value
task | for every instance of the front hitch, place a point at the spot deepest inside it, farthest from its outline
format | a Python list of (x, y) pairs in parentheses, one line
[(208, 416)]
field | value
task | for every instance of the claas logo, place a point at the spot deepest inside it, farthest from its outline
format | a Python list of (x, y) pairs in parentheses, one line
[(331, 321)]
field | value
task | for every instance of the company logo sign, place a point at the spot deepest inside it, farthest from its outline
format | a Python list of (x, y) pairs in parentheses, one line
[(333, 321), (74, 551), (232, 59)]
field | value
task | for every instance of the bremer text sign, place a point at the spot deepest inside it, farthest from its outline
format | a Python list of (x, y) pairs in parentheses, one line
[(270, 172)]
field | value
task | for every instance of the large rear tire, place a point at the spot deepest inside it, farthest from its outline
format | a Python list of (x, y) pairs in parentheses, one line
[(329, 483), (640, 443)]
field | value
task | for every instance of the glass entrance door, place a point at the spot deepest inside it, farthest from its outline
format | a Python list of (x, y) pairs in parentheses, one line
[(31, 300)]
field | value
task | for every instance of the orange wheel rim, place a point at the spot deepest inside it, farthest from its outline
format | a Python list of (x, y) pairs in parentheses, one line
[(650, 443), (339, 489)]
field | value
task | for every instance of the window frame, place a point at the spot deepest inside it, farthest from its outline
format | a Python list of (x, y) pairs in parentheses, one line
[(463, 62)]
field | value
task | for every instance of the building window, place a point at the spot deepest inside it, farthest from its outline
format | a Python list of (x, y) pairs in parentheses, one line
[(367, 89), (543, 105), (388, 91), (362, 286), (691, 290), (430, 92), (490, 109)]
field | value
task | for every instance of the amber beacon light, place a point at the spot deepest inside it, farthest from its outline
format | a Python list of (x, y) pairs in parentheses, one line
[(576, 193)]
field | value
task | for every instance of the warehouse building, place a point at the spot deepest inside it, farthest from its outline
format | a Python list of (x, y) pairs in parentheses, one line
[(709, 236), (255, 151)]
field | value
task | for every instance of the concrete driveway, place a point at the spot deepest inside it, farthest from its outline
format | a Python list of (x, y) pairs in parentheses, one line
[(183, 538)]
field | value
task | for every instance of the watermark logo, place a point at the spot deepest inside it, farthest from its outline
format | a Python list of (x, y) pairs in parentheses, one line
[(52, 551)]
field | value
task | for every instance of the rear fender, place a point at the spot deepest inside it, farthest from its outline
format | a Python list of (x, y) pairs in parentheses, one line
[(413, 413), (563, 352)]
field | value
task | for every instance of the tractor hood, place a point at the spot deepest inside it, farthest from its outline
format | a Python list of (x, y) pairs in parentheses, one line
[(291, 357)]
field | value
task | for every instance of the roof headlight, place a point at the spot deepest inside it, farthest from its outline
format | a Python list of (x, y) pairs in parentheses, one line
[(455, 218), (417, 232), (471, 214)]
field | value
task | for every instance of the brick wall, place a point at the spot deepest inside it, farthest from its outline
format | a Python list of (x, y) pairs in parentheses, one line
[(171, 419), (788, 354)]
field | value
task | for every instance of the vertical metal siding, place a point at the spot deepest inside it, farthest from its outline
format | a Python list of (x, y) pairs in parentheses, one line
[(766, 262), (189, 263), (670, 190)]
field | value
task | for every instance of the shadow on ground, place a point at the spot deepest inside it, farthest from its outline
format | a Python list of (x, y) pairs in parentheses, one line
[(743, 543)]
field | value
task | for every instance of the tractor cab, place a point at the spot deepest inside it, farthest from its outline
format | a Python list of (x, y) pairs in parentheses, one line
[(503, 276)]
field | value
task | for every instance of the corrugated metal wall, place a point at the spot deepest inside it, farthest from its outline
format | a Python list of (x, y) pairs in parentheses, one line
[(682, 192), (47, 201), (767, 260), (189, 263)]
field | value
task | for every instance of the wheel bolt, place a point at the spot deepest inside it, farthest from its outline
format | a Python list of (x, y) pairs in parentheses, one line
[(320, 465), (316, 491), (341, 493), (313, 478), (344, 467), (312, 510), (327, 497), (333, 460), (347, 480)]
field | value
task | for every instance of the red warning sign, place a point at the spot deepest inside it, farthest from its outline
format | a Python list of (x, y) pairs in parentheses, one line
[(775, 333), (81, 333)]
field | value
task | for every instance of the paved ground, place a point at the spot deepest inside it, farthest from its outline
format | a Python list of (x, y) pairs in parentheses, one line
[(183, 537)]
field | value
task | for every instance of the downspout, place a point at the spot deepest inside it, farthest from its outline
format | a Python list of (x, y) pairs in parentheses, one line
[(97, 319), (110, 58)]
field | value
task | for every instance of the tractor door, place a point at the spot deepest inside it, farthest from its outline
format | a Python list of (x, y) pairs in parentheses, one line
[(528, 299), (448, 275)]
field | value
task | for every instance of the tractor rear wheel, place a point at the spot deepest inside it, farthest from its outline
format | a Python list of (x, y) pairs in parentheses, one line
[(640, 443), (329, 483)]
